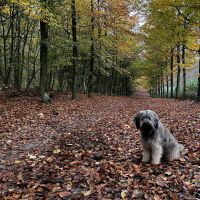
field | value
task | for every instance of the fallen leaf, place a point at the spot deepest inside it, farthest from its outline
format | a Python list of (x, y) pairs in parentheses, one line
[(156, 197), (64, 194), (9, 141), (124, 195), (17, 161), (41, 115), (32, 157), (137, 168), (56, 151), (168, 173), (89, 192)]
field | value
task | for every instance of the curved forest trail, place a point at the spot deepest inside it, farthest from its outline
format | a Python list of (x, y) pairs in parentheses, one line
[(89, 149)]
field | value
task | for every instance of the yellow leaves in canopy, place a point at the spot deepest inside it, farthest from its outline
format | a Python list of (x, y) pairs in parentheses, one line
[(6, 10), (29, 6), (191, 42), (33, 9), (183, 3), (23, 3), (110, 14), (143, 81), (113, 19), (125, 45)]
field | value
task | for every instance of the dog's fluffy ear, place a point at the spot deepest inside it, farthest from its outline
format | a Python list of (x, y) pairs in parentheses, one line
[(137, 119), (155, 117), (156, 122)]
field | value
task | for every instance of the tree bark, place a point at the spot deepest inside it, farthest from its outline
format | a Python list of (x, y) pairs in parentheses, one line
[(198, 92), (184, 71), (99, 76), (12, 37), (33, 73), (43, 58), (17, 66), (158, 86), (99, 83), (163, 84), (167, 82), (171, 72), (23, 53), (178, 72), (91, 52), (112, 81), (4, 53), (74, 50)]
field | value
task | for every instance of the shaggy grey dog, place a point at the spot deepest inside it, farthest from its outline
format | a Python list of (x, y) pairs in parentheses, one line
[(157, 141)]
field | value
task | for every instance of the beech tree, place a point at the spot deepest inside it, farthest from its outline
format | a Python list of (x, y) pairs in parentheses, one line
[(75, 49), (169, 30), (43, 56), (95, 46)]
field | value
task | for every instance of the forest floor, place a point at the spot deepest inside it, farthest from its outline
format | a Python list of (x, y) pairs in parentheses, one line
[(89, 149)]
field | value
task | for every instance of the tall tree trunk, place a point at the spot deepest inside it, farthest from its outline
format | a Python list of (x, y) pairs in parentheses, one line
[(99, 82), (111, 81), (17, 65), (1, 66), (60, 80), (198, 92), (23, 53), (50, 77), (4, 53), (43, 58), (183, 62), (99, 78), (159, 90), (32, 76), (184, 71), (74, 50), (178, 72), (53, 80), (163, 84), (12, 37), (91, 52), (167, 82), (84, 78), (171, 72), (107, 85)]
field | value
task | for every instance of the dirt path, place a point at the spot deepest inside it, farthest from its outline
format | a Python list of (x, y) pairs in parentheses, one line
[(140, 94), (88, 149)]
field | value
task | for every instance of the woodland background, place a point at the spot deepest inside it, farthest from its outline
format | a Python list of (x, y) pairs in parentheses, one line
[(107, 47), (112, 51)]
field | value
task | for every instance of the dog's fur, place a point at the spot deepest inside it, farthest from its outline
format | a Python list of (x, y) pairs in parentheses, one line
[(157, 141)]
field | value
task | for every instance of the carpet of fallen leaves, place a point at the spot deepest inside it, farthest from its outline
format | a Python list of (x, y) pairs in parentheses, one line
[(89, 149)]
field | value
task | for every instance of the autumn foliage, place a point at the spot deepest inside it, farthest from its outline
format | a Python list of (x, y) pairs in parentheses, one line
[(89, 149)]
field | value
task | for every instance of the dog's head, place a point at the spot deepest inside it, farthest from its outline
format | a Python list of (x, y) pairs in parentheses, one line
[(147, 121)]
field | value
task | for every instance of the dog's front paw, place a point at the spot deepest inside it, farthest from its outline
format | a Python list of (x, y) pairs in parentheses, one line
[(155, 162), (146, 156), (145, 160)]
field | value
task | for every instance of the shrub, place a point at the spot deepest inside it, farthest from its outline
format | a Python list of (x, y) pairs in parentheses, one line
[(191, 89)]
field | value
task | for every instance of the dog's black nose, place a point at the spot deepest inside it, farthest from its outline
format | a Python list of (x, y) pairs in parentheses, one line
[(146, 127)]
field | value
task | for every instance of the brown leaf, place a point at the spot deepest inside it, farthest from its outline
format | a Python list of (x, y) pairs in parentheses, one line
[(64, 194), (89, 192), (156, 197), (137, 168)]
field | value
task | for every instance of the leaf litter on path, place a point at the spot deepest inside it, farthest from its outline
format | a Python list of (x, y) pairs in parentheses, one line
[(90, 149)]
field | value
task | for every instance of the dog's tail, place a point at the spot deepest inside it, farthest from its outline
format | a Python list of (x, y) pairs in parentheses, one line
[(181, 147)]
